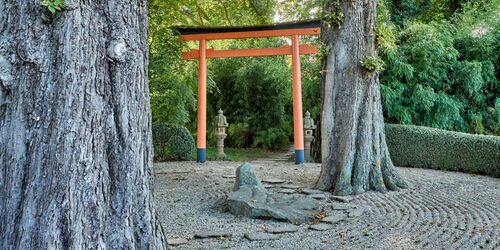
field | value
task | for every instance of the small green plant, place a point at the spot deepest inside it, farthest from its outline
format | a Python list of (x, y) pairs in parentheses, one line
[(333, 15), (373, 63), (53, 5), (323, 51)]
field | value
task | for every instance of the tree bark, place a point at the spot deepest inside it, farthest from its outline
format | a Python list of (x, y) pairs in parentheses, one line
[(355, 157), (75, 127)]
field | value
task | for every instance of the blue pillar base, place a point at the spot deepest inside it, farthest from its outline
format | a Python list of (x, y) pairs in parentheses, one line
[(299, 156), (201, 154)]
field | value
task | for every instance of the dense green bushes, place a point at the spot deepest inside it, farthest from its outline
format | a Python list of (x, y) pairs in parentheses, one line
[(172, 142), (444, 74), (422, 147)]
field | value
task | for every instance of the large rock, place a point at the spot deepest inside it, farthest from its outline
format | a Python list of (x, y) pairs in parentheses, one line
[(245, 176), (250, 199)]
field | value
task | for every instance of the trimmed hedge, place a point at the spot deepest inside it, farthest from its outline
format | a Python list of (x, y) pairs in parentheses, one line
[(423, 147), (172, 142)]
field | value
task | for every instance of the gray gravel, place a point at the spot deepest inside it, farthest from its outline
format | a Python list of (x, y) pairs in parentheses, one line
[(440, 210)]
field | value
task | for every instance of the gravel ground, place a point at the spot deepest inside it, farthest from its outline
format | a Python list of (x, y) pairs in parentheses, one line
[(444, 210)]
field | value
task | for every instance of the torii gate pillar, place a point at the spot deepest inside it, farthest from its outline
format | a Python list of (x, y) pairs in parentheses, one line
[(201, 137), (298, 124)]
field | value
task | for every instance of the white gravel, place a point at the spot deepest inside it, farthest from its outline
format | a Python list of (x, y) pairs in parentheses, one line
[(440, 210)]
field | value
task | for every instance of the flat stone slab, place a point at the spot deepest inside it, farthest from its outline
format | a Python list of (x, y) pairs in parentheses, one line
[(287, 191), (311, 191), (273, 181), (346, 199), (343, 206), (229, 176), (306, 203), (255, 236), (212, 234), (176, 241), (268, 185), (318, 196), (283, 229), (335, 218), (357, 212), (290, 186), (320, 227), (175, 172)]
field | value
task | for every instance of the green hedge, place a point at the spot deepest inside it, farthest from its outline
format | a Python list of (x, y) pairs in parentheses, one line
[(172, 142), (423, 147)]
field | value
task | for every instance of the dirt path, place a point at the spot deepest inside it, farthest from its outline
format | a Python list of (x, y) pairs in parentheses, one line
[(439, 210)]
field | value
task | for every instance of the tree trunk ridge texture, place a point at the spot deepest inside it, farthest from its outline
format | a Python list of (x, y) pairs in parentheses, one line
[(75, 127), (355, 157)]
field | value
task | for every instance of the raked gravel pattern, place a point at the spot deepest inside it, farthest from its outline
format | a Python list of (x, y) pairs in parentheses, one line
[(439, 210)]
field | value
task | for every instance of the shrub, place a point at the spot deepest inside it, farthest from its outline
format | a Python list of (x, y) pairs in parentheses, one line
[(273, 138), (237, 135), (172, 142), (422, 147)]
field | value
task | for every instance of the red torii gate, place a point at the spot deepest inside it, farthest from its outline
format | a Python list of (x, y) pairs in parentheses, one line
[(294, 30)]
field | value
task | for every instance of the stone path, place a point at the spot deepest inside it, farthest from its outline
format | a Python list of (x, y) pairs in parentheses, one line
[(287, 156), (440, 210)]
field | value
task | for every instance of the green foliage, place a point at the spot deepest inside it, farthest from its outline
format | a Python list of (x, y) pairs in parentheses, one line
[(172, 142), (273, 138), (323, 51), (431, 81), (386, 30), (332, 14), (238, 135), (422, 147), (405, 11), (373, 64), (255, 94), (333, 18), (53, 5), (311, 96)]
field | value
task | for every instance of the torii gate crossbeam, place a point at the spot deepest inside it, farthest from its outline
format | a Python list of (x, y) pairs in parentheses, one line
[(293, 30)]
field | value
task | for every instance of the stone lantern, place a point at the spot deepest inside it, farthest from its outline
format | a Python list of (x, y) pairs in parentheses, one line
[(309, 128), (220, 133)]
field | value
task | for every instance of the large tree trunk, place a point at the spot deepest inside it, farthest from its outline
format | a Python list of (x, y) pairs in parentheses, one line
[(75, 127), (355, 157)]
